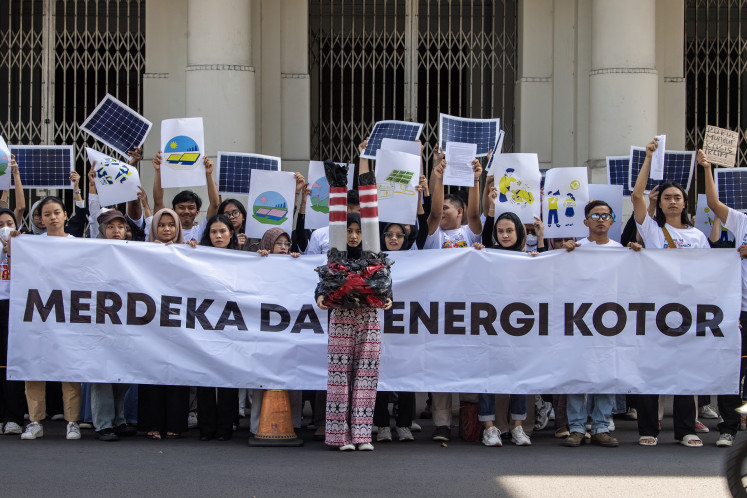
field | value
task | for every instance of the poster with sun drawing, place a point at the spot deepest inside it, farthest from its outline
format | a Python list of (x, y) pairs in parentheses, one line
[(397, 173), (517, 177), (4, 165), (704, 218), (271, 198), (182, 146), (116, 181), (317, 203), (566, 195)]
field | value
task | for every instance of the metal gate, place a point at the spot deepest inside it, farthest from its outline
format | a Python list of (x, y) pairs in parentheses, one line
[(58, 59), (409, 60)]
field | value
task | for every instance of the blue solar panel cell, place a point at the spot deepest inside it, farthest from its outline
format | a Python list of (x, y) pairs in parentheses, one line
[(482, 132), (399, 130), (42, 166), (678, 167), (732, 187), (116, 125), (618, 169), (235, 170)]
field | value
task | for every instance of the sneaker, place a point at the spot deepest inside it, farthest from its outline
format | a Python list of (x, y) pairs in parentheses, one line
[(441, 433), (404, 434), (125, 430), (519, 437), (347, 447), (631, 414), (562, 432), (551, 415), (543, 412), (384, 435), (415, 427), (319, 433), (700, 427), (574, 439), (707, 411), (73, 431), (725, 440), (742, 410), (492, 436), (85, 425), (12, 428), (612, 425), (192, 420), (365, 447), (604, 439), (33, 431), (107, 434)]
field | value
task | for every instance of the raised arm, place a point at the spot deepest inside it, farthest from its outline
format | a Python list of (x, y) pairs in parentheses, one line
[(134, 211), (363, 166), (20, 206), (437, 191), (639, 203), (212, 188), (157, 189), (473, 202), (720, 209)]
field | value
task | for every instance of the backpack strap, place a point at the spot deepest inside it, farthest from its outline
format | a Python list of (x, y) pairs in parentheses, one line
[(669, 238)]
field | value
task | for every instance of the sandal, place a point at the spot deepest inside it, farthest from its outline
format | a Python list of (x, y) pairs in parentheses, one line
[(692, 441), (153, 435), (648, 440), (173, 435)]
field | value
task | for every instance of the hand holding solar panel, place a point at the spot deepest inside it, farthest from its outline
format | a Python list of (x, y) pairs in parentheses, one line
[(117, 126), (400, 130)]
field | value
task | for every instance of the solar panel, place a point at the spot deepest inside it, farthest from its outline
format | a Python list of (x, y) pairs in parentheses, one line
[(482, 132), (399, 130), (678, 167), (618, 169), (45, 166), (235, 170), (116, 125), (732, 187)]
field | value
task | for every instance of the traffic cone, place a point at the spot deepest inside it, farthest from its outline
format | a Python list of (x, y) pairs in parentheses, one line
[(275, 421)]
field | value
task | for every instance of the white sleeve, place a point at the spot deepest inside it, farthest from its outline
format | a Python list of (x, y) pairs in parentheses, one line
[(94, 210), (313, 246), (649, 231), (736, 223), (148, 222)]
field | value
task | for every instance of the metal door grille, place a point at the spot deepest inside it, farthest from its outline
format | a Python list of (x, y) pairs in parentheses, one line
[(406, 59)]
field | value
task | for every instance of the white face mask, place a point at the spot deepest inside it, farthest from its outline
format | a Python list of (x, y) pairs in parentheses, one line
[(531, 240)]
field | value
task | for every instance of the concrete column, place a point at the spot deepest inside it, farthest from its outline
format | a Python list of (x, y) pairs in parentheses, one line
[(220, 79), (670, 33), (623, 81)]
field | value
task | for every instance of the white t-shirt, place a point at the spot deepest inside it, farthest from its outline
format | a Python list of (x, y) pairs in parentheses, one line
[(684, 238), (736, 222), (610, 243), (449, 239), (319, 241), (194, 233)]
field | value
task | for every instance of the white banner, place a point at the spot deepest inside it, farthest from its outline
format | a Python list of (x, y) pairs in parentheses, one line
[(590, 321)]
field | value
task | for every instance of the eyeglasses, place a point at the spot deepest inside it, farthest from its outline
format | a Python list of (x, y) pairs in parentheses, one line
[(603, 217), (232, 214), (394, 235), (283, 243)]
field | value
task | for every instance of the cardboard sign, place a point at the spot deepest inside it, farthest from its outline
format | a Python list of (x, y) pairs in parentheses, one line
[(720, 146)]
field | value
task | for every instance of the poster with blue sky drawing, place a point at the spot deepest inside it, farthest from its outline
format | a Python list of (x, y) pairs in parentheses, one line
[(182, 149), (517, 178), (317, 203), (272, 195), (5, 173), (566, 195)]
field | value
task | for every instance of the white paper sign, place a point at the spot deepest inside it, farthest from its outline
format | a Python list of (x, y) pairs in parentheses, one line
[(5, 173), (566, 195), (317, 204), (116, 181), (657, 159), (397, 173), (704, 218), (517, 177), (498, 149), (612, 195), (410, 146), (183, 149), (272, 195), (459, 157)]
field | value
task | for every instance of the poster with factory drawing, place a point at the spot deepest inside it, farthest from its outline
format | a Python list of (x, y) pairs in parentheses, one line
[(272, 195), (317, 202), (397, 174), (517, 178), (612, 195), (5, 169), (704, 219), (182, 152), (566, 195), (116, 181)]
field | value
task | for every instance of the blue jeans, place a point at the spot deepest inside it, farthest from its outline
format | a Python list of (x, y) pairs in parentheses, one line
[(600, 411), (85, 402), (130, 408), (486, 407), (107, 405)]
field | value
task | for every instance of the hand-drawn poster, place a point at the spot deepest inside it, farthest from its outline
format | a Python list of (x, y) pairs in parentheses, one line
[(397, 174), (116, 181), (182, 149), (272, 196), (5, 173), (566, 195), (704, 219), (517, 177), (317, 203)]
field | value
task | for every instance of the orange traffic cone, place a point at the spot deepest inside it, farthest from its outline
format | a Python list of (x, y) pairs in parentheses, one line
[(275, 421)]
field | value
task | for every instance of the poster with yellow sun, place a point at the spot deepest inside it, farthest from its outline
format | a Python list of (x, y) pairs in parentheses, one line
[(182, 153), (566, 196)]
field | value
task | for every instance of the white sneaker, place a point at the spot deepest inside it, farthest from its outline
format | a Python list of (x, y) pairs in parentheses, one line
[(365, 447), (725, 440), (415, 427), (33, 431), (347, 447), (192, 420), (707, 411), (612, 425), (519, 437), (384, 435), (742, 410), (404, 434), (12, 428), (492, 437), (73, 431)]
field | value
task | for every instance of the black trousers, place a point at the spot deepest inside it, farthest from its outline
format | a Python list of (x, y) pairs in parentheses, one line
[(405, 409), (683, 414), (216, 410), (729, 402), (12, 392), (163, 408)]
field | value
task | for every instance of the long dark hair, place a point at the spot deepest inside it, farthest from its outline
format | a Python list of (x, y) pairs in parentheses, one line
[(521, 233), (660, 218), (239, 206), (233, 243), (406, 243)]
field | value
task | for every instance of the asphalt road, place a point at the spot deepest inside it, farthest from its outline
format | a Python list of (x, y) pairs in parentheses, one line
[(53, 466)]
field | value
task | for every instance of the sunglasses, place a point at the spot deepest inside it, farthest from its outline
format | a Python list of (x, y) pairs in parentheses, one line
[(393, 235), (603, 217)]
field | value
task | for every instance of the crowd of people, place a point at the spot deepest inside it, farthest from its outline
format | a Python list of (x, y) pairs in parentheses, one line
[(462, 219)]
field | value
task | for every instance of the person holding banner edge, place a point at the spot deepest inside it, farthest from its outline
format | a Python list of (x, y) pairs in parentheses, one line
[(673, 229)]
